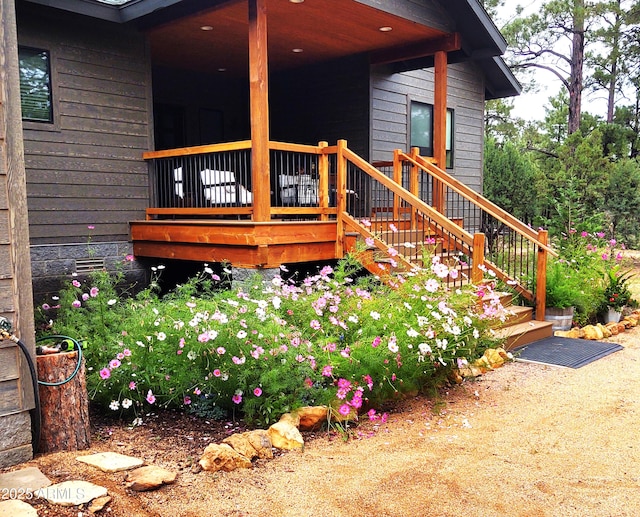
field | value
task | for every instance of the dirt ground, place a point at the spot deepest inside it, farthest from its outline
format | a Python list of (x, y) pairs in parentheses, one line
[(523, 440)]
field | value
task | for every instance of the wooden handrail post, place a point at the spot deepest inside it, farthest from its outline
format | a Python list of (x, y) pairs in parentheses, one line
[(541, 275), (341, 199), (477, 258), (259, 109), (323, 180), (413, 184), (397, 177), (440, 126)]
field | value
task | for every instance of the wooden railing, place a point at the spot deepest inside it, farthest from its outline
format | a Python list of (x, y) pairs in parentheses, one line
[(410, 195), (491, 239)]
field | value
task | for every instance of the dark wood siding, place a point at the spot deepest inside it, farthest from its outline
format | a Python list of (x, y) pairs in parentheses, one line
[(87, 168), (390, 98)]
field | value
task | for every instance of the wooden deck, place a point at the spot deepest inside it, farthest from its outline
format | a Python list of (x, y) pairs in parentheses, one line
[(246, 244)]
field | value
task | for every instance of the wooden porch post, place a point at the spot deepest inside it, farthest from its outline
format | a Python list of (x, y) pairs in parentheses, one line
[(477, 258), (413, 184), (323, 180), (397, 177), (259, 110), (541, 276), (341, 201), (440, 126)]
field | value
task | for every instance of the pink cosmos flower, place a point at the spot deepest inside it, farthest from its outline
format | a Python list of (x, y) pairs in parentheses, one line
[(217, 373), (327, 371), (429, 240), (600, 235), (126, 352), (344, 409), (370, 242), (237, 398), (392, 252), (393, 228), (76, 304), (197, 391), (187, 400), (91, 227), (105, 373), (46, 306), (75, 283), (376, 341), (120, 356), (129, 258), (584, 234), (368, 381), (220, 350), (150, 397), (257, 392), (93, 292), (114, 363), (132, 385), (315, 325), (85, 297)]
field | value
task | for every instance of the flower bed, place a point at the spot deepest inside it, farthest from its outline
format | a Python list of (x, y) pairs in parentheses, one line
[(264, 349)]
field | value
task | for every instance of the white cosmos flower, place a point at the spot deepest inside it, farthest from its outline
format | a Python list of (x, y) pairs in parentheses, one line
[(115, 405), (192, 355), (126, 403)]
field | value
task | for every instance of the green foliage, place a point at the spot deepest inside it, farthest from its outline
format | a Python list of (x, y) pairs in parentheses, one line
[(587, 274), (511, 179), (265, 349)]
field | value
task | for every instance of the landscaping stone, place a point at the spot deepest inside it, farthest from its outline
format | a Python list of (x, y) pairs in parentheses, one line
[(25, 481), (99, 503), (15, 508), (111, 461), (311, 417), (259, 439), (241, 444), (149, 478), (285, 436), (72, 493), (223, 457)]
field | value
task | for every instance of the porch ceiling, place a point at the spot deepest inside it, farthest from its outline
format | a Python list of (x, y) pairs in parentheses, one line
[(323, 30)]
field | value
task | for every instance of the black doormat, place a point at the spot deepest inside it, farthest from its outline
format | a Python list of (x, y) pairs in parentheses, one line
[(562, 351)]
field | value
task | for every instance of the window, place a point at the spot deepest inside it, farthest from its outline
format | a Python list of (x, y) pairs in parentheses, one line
[(422, 130), (35, 84), (422, 127)]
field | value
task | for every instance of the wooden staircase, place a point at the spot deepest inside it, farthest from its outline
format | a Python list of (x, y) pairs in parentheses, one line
[(520, 328)]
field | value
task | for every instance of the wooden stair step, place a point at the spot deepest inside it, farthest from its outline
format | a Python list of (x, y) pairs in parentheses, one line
[(520, 314), (524, 333)]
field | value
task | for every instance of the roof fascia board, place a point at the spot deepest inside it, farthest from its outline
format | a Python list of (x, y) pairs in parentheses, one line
[(102, 11), (112, 13), (488, 25)]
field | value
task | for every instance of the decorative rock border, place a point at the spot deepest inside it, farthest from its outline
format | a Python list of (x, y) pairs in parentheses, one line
[(602, 331)]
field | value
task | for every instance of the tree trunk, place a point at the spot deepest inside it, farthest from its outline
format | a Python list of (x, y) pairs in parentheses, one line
[(577, 65), (64, 408)]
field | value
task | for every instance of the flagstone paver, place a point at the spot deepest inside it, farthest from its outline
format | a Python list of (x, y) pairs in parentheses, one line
[(72, 493), (15, 508), (23, 482), (111, 461)]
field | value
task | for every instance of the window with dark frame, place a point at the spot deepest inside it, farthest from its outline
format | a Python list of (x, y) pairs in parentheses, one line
[(35, 84), (421, 128)]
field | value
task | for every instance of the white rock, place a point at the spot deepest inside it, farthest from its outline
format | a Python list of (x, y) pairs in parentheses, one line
[(111, 461), (72, 493)]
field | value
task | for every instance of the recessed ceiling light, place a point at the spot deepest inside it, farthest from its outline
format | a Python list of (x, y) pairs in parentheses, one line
[(206, 28), (296, 1), (297, 50), (222, 69), (386, 28)]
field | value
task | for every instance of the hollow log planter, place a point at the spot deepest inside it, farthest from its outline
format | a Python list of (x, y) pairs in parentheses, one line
[(64, 408)]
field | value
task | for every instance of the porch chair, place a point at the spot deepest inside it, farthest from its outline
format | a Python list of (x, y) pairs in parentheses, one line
[(220, 188)]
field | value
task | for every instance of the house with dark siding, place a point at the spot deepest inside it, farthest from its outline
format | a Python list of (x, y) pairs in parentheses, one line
[(111, 88)]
